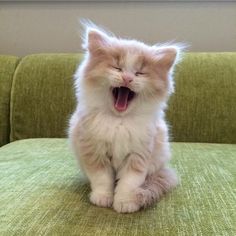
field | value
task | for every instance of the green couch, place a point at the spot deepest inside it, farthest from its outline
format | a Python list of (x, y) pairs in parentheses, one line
[(42, 192)]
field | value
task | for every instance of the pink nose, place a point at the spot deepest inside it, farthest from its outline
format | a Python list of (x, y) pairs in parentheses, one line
[(127, 78)]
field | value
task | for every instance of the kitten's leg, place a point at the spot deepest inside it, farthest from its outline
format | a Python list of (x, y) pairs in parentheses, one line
[(100, 173), (102, 183), (131, 177), (160, 179)]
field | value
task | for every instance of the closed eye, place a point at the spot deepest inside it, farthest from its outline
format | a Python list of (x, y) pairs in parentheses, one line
[(117, 68), (139, 73)]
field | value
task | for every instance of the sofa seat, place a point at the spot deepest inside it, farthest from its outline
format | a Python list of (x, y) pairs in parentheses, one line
[(42, 192)]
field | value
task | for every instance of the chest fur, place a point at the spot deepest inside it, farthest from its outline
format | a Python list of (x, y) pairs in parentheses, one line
[(119, 137)]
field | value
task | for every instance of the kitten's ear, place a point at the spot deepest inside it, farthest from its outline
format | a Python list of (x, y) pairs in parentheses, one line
[(167, 56), (95, 40)]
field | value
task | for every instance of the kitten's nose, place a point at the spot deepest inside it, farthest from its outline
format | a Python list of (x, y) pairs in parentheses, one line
[(127, 78)]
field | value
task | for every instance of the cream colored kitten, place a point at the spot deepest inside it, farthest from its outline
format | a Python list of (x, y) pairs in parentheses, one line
[(118, 131)]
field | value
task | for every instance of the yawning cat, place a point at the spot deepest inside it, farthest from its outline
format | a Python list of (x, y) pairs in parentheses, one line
[(118, 131)]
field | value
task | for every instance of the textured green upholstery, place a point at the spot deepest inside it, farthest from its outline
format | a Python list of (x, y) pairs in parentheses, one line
[(203, 109), (43, 96), (7, 69), (43, 193)]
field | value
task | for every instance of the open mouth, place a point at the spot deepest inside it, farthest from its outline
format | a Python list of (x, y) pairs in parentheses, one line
[(122, 97)]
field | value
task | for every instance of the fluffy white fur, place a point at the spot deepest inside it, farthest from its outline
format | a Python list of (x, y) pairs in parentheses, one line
[(123, 153)]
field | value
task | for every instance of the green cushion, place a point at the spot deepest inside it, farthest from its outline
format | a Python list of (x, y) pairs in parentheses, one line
[(203, 106), (201, 110), (7, 69), (43, 193), (43, 95)]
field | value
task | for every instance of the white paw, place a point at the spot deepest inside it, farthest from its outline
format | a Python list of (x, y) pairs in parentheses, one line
[(102, 200), (126, 206)]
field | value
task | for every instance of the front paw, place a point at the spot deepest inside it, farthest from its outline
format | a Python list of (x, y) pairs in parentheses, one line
[(125, 205), (101, 199)]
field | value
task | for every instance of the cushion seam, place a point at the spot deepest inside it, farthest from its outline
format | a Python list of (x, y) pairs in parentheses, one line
[(11, 99)]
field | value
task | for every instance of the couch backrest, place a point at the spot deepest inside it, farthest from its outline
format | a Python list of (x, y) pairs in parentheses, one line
[(7, 68), (43, 96), (201, 110)]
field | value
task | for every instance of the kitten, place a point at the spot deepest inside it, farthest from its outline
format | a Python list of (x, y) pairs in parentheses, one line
[(118, 131)]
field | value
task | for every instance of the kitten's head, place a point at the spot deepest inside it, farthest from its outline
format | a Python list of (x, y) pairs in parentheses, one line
[(126, 75)]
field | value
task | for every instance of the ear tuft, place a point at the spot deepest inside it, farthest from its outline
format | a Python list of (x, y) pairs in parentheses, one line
[(94, 38), (169, 55)]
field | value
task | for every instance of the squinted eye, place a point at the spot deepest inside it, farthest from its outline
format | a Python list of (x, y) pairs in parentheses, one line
[(117, 68), (139, 73)]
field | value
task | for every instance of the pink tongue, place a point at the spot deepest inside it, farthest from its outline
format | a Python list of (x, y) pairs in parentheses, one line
[(122, 99)]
